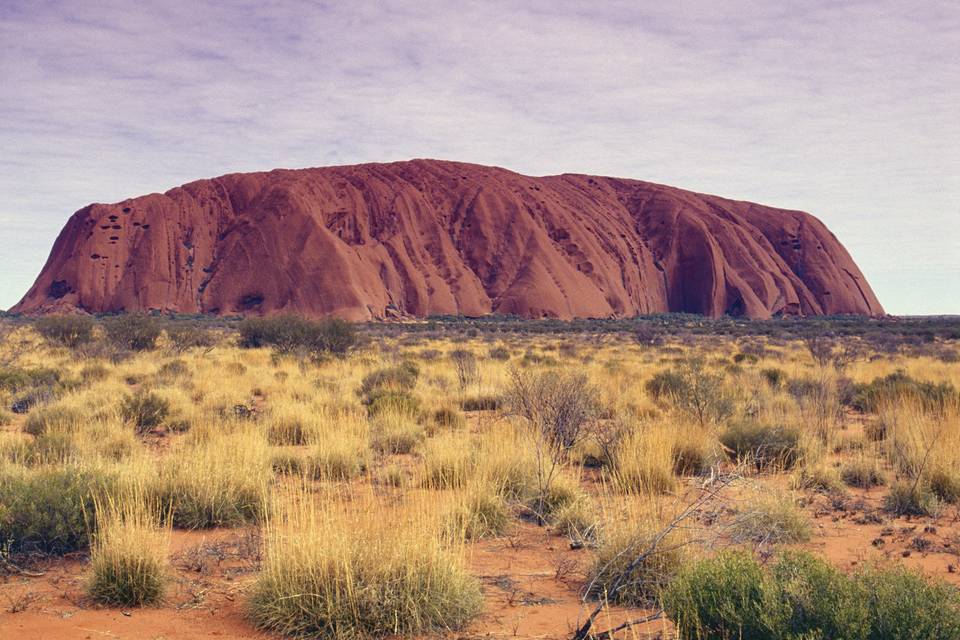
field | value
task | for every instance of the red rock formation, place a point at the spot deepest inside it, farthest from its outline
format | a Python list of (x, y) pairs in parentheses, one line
[(428, 237)]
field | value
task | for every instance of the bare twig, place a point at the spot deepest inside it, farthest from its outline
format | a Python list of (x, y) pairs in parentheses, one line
[(710, 490)]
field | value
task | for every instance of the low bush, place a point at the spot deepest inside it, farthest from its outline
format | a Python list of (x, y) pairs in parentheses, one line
[(185, 336), (719, 598), (808, 598), (909, 497), (903, 604), (577, 519), (398, 380), (392, 433), (731, 596), (338, 457), (695, 390), (16, 379), (133, 331), (395, 402), (862, 472), (774, 377), (448, 418), (447, 462), (556, 496), (145, 410), (765, 446), (944, 482), (44, 509), (499, 353), (480, 403), (69, 331), (94, 372), (54, 417), (818, 477), (289, 334), (899, 387)]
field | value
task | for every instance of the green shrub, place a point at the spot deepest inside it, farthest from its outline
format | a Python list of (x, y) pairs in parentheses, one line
[(731, 597), (54, 417), (719, 598), (945, 484), (144, 410), (133, 331), (448, 418), (905, 605), (694, 390), (15, 379), (480, 403), (862, 473), (808, 598), (69, 331), (499, 353), (398, 379), (900, 387), (665, 384), (289, 334), (908, 497), (186, 336), (44, 509), (765, 445), (774, 377), (394, 402)]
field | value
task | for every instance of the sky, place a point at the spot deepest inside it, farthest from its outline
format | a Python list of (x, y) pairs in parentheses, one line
[(848, 109)]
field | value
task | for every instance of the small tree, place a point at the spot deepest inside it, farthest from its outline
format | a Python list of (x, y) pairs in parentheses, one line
[(186, 336), (556, 409), (693, 390)]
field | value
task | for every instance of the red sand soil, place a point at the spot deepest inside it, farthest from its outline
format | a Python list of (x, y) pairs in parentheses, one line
[(427, 237)]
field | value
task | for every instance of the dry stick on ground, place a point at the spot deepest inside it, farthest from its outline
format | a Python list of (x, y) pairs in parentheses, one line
[(710, 491), (8, 566)]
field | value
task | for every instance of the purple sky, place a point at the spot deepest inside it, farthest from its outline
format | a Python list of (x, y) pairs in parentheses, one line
[(849, 110)]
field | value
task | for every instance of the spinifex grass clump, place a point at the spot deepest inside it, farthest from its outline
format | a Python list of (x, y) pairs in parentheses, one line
[(220, 482), (481, 512), (364, 572), (128, 556)]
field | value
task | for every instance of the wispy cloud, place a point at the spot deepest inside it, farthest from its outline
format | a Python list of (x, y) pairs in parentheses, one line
[(845, 109)]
